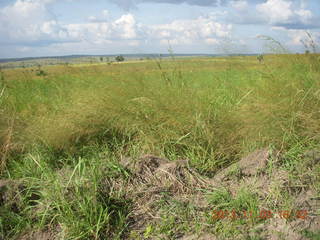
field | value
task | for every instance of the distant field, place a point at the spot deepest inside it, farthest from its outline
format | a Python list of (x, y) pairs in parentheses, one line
[(65, 130), (25, 63), (84, 59)]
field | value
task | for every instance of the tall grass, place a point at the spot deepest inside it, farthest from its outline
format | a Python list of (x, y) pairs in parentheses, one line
[(80, 119), (214, 109)]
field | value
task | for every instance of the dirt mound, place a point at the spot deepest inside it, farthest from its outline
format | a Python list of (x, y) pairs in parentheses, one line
[(157, 179), (153, 184), (251, 165), (174, 177), (154, 179)]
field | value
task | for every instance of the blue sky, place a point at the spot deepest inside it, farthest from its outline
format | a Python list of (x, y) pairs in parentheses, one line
[(63, 27)]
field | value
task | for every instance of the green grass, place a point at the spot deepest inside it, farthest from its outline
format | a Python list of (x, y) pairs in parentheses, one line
[(82, 119), (74, 198)]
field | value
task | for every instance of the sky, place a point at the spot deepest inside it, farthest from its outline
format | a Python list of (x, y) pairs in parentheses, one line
[(33, 28)]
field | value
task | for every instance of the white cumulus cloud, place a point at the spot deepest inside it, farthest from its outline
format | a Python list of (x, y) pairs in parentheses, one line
[(28, 21), (276, 10), (190, 31), (285, 13)]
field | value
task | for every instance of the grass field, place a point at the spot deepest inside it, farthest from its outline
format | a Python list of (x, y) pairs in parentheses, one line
[(65, 132)]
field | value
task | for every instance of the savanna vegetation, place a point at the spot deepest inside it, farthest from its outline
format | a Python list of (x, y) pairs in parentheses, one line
[(65, 131)]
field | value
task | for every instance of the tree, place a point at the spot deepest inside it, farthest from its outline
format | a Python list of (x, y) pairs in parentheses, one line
[(101, 59), (119, 58)]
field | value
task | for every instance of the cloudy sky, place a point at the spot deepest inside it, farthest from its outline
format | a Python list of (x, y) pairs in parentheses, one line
[(63, 27)]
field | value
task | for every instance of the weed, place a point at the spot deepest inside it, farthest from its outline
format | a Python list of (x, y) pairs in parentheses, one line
[(40, 72)]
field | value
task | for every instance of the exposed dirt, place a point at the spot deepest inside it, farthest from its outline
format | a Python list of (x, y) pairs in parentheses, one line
[(11, 194), (312, 157), (199, 237), (47, 234), (153, 176), (253, 174), (251, 165), (154, 180)]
